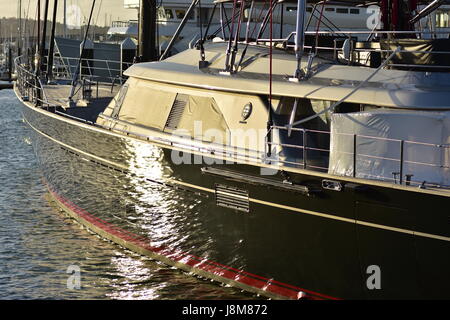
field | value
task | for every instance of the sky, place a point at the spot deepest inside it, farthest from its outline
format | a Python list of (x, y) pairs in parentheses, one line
[(105, 10)]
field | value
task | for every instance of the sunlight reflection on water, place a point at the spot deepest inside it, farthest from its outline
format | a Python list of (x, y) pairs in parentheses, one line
[(38, 243)]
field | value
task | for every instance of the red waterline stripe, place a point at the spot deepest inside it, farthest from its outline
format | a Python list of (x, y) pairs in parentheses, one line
[(133, 237), (189, 259), (143, 242)]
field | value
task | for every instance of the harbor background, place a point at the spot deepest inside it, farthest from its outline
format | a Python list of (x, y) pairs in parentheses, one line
[(39, 243)]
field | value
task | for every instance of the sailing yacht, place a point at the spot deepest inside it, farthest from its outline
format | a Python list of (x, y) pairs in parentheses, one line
[(300, 165)]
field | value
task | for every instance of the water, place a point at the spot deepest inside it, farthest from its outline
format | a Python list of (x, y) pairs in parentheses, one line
[(38, 244)]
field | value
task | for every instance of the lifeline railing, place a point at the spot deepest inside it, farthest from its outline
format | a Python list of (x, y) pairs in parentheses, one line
[(346, 42), (31, 87), (109, 70), (121, 24), (308, 161), (276, 153)]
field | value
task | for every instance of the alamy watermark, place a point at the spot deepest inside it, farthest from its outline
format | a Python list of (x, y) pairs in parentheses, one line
[(74, 17), (374, 20), (373, 282), (74, 280), (225, 147)]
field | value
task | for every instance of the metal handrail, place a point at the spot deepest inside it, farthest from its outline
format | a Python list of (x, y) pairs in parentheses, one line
[(401, 160), (113, 73), (31, 88), (237, 152), (351, 34), (29, 85), (215, 147)]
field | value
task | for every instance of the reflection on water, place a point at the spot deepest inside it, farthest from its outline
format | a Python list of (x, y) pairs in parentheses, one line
[(38, 243)]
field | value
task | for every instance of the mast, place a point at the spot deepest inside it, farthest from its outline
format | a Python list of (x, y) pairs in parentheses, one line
[(147, 31), (19, 38), (38, 41), (65, 18), (44, 33), (52, 42)]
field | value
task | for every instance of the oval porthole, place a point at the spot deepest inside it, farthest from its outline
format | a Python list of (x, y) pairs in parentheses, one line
[(246, 111)]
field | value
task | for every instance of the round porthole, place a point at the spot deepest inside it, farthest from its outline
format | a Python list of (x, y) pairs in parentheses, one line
[(247, 111)]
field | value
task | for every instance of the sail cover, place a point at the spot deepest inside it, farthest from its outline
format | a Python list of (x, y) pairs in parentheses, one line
[(379, 137)]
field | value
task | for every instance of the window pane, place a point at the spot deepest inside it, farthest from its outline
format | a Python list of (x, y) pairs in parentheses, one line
[(341, 10), (180, 13), (169, 14), (161, 15)]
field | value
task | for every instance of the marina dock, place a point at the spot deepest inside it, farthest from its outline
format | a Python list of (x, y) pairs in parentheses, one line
[(6, 85)]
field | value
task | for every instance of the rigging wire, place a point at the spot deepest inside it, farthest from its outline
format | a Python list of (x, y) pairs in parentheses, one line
[(34, 25), (237, 36), (203, 39), (230, 40), (25, 26), (259, 17), (359, 86), (221, 28), (251, 34), (209, 22), (226, 19), (96, 20), (270, 53), (202, 48), (326, 22), (266, 19), (78, 67), (319, 22)]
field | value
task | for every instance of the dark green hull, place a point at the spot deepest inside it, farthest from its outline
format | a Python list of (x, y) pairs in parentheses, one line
[(276, 235)]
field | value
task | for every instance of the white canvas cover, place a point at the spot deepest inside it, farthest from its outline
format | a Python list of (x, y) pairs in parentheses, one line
[(144, 105), (426, 150)]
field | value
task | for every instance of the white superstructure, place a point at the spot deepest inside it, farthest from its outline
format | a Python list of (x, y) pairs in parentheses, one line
[(170, 14)]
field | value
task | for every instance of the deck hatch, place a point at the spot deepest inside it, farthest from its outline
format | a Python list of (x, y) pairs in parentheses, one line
[(177, 111), (232, 197)]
